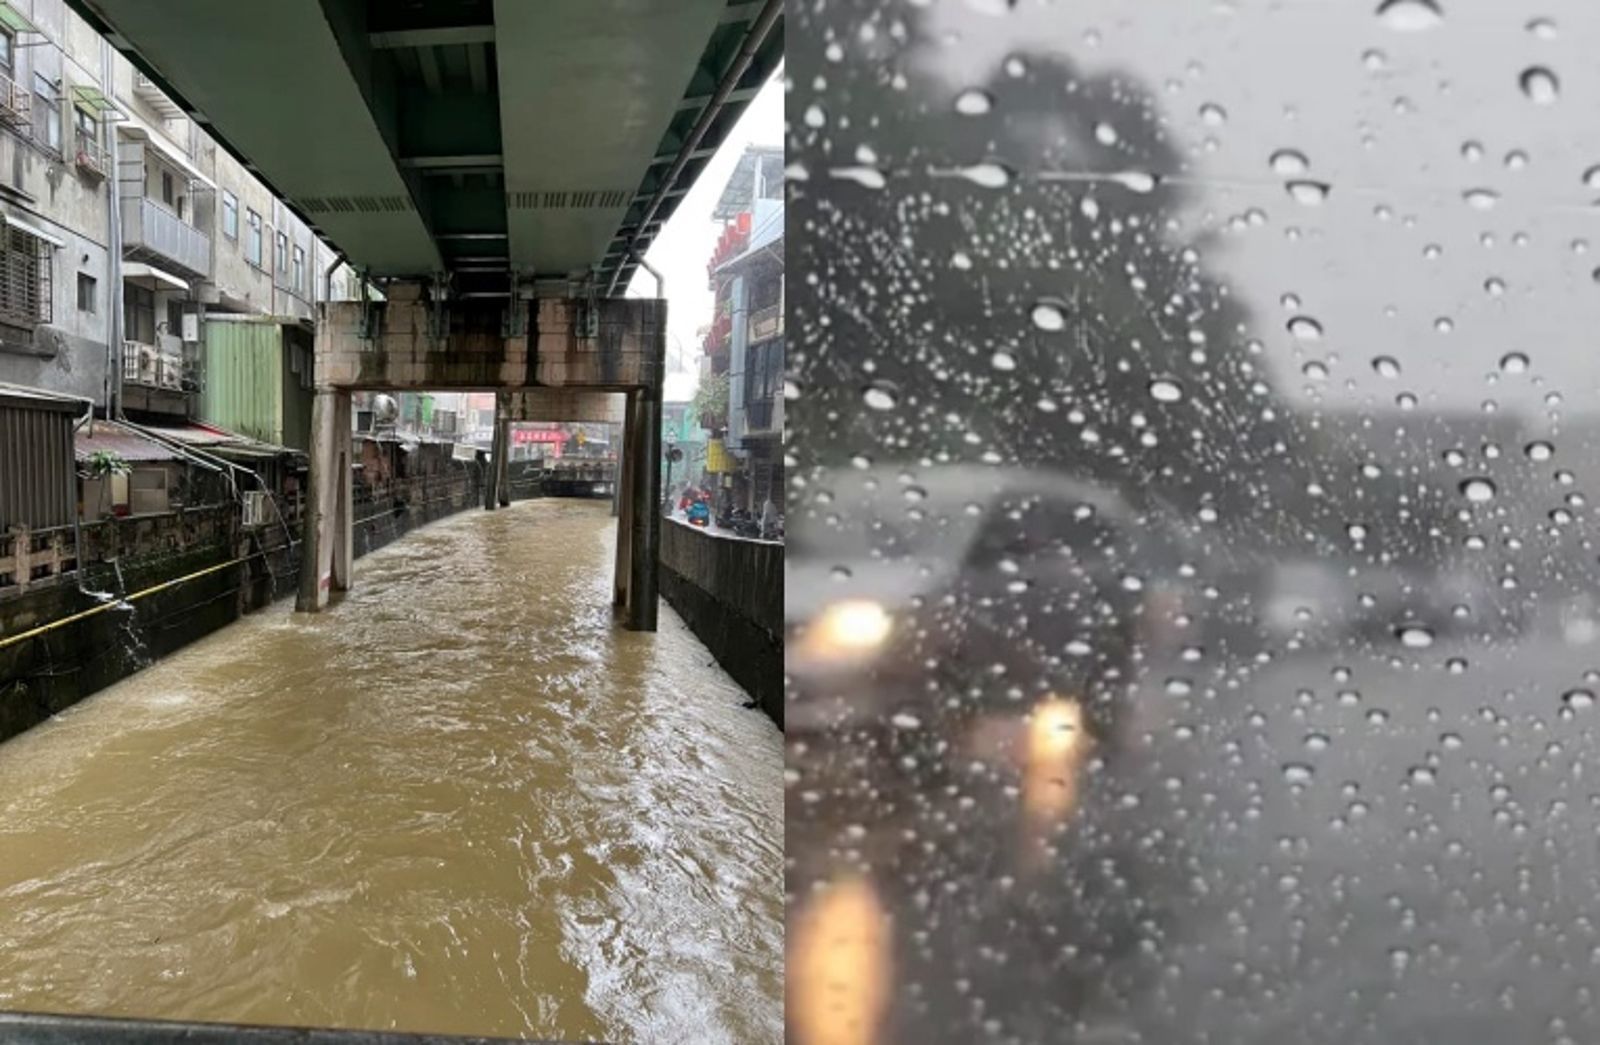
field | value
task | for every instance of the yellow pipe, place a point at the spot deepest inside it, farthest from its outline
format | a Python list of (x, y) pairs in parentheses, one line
[(12, 640)]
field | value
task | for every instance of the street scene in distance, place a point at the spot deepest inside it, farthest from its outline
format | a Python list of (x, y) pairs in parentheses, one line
[(391, 514), (1191, 596)]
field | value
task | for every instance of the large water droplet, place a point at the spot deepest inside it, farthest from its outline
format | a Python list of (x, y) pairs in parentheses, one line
[(1179, 687), (1003, 360), (1422, 775), (868, 177), (1410, 16), (1414, 636), (1308, 193), (1578, 699), (974, 102), (881, 395), (1317, 741), (1298, 773), (1540, 85), (1135, 181), (1540, 450), (1289, 162), (1386, 366), (1591, 177), (1477, 489), (1049, 315), (1213, 115), (1165, 390), (1316, 370), (1543, 28), (1305, 328), (1105, 134), (988, 175), (1481, 199), (1514, 363)]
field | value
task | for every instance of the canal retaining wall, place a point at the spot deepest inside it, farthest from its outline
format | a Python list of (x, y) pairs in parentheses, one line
[(154, 583), (730, 593)]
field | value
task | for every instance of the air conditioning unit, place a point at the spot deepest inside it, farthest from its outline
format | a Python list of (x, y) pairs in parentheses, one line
[(257, 509), (171, 371)]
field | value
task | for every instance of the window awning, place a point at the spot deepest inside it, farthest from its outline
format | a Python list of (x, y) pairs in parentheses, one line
[(34, 231), (92, 99), (139, 270), (15, 20), (138, 129)]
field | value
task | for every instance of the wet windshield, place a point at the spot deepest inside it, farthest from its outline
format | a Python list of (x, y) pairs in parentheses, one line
[(1287, 738)]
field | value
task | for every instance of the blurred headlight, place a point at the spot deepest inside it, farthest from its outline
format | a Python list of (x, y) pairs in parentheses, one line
[(846, 630)]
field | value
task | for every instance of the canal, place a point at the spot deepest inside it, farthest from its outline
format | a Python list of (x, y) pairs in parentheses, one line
[(460, 801)]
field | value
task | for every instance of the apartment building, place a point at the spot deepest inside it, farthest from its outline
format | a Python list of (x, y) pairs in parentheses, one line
[(745, 344)]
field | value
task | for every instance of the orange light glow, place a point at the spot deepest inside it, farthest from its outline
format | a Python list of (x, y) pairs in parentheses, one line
[(839, 967)]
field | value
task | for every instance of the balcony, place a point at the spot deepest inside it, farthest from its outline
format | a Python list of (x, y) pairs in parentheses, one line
[(146, 91), (91, 156), (16, 105), (151, 232), (766, 323)]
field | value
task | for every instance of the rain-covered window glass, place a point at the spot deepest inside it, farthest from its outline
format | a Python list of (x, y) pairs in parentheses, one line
[(1193, 597)]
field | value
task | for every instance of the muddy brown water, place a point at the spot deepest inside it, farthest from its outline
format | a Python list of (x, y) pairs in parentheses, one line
[(462, 801)]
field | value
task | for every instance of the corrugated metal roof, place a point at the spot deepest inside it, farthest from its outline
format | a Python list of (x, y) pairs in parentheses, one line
[(39, 399), (126, 443), (220, 441)]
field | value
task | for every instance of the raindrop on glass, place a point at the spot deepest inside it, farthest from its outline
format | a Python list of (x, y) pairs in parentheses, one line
[(1003, 361), (1414, 636), (1543, 28), (1049, 316), (1165, 390), (974, 102), (1410, 16), (1298, 773), (1477, 489), (1305, 328), (1386, 366), (881, 395), (1289, 162), (1578, 699), (1308, 193), (1213, 115), (1540, 85), (1540, 450), (1514, 363), (1481, 199)]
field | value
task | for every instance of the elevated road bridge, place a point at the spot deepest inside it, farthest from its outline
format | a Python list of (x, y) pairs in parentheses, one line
[(497, 168)]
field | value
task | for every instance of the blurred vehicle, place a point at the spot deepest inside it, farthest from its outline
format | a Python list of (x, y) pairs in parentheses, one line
[(957, 604), (698, 514)]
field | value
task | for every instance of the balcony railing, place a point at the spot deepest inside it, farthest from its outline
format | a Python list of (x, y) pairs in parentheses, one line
[(150, 230), (16, 104), (91, 156), (766, 323)]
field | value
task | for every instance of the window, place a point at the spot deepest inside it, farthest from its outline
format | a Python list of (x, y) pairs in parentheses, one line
[(283, 254), (138, 314), (167, 193), (47, 112), (299, 270), (8, 45), (174, 318), (252, 244), (88, 292), (25, 283), (230, 215)]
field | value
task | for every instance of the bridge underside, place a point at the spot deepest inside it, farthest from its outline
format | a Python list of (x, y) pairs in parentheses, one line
[(492, 141), (551, 360)]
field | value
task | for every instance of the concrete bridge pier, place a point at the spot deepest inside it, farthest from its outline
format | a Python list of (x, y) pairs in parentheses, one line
[(326, 543)]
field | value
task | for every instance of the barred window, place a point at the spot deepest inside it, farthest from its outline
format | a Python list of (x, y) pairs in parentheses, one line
[(24, 279)]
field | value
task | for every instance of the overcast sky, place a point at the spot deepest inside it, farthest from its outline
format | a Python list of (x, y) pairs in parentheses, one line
[(681, 251)]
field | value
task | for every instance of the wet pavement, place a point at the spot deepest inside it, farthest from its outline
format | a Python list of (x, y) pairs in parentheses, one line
[(462, 801)]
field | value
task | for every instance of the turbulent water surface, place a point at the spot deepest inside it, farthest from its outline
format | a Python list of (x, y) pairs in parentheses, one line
[(463, 800)]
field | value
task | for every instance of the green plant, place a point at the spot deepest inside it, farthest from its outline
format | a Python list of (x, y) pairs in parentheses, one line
[(711, 398), (108, 462)]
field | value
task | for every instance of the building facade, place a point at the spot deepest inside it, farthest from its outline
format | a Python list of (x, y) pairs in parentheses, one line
[(744, 348)]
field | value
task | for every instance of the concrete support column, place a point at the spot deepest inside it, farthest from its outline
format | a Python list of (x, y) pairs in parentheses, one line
[(644, 546), (624, 502), (502, 470), (327, 545), (499, 448)]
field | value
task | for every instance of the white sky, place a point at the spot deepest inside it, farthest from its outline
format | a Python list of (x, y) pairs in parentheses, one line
[(681, 251)]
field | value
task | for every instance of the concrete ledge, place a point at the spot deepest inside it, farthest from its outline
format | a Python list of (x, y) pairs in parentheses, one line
[(730, 593)]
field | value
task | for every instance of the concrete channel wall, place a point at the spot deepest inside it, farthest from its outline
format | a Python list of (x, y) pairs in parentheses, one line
[(221, 570), (730, 592)]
